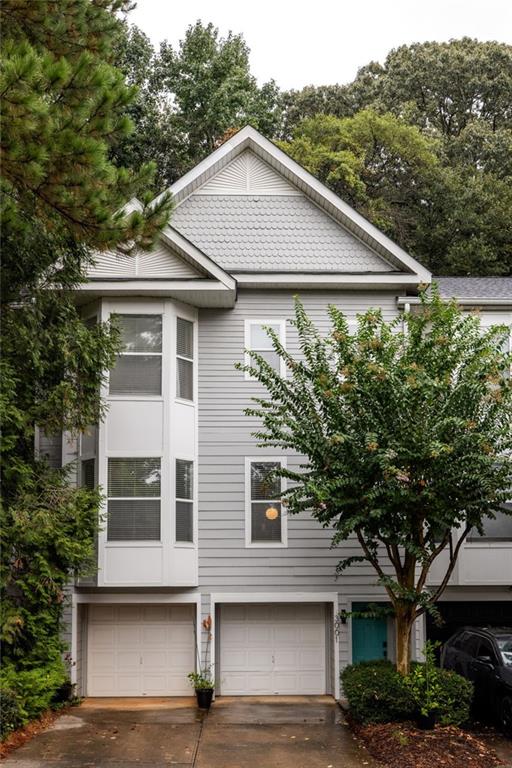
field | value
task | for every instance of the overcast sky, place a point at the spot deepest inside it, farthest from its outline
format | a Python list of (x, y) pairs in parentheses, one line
[(326, 41)]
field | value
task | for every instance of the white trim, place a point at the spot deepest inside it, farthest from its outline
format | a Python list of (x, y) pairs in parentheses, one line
[(248, 323), (279, 597), (331, 280), (464, 300), (197, 257), (249, 544), (249, 138), (74, 640)]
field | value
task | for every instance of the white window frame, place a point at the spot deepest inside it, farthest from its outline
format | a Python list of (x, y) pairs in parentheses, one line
[(192, 501), (184, 400), (113, 543), (247, 342), (248, 516), (138, 395)]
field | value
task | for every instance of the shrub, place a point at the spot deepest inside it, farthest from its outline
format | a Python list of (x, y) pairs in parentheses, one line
[(33, 689), (376, 693), (10, 713), (456, 696)]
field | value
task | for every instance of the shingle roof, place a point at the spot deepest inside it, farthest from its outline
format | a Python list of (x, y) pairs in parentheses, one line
[(475, 287), (272, 232)]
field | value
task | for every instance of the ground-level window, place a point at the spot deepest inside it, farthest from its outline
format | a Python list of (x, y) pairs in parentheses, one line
[(138, 369), (258, 340), (184, 500), (133, 499), (265, 523)]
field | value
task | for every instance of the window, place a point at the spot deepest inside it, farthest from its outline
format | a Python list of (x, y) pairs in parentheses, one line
[(264, 514), (133, 500), (258, 340), (138, 370), (497, 529), (87, 474), (184, 500), (184, 359)]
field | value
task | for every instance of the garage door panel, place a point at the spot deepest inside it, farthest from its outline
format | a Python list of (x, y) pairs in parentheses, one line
[(128, 635), (102, 635), (101, 613), (128, 613), (104, 661), (179, 634), (311, 634), (272, 649)]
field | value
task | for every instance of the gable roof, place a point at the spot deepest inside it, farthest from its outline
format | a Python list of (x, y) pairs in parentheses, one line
[(475, 287), (357, 247)]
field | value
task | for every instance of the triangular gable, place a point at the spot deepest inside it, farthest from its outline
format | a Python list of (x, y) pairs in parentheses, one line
[(230, 167), (247, 174)]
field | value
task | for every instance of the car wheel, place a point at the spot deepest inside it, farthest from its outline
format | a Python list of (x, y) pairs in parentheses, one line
[(505, 715)]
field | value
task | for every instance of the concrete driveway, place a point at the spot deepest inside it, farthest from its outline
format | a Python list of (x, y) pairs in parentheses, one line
[(264, 732)]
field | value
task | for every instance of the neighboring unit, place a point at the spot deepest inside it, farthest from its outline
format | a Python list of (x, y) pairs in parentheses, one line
[(193, 527)]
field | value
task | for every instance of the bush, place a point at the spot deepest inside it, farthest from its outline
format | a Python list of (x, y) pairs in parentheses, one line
[(29, 691), (456, 697), (10, 713), (376, 693)]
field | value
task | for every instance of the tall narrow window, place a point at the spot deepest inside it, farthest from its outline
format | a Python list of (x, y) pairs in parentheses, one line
[(258, 340), (133, 500), (264, 518), (184, 500), (87, 474), (184, 359), (138, 369)]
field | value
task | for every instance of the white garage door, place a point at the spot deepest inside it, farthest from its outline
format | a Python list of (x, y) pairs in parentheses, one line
[(140, 650), (272, 649)]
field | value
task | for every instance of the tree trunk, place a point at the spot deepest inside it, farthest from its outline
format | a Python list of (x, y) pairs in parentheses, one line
[(403, 625)]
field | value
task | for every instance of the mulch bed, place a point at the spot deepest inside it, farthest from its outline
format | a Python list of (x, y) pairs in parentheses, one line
[(18, 738), (402, 745)]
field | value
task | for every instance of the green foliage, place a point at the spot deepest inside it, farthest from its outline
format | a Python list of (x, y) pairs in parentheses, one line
[(62, 105), (377, 693), (379, 164), (454, 216), (442, 692), (406, 432), (201, 680), (29, 692), (10, 712), (190, 98)]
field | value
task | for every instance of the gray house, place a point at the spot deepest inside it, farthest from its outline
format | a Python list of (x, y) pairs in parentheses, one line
[(191, 530)]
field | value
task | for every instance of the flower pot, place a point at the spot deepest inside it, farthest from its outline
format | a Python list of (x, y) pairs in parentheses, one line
[(426, 722), (204, 697)]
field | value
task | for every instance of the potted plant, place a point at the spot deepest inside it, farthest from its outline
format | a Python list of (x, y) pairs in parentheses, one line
[(203, 686), (202, 678), (423, 682)]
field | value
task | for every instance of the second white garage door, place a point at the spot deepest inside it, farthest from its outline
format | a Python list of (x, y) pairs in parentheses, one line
[(140, 650), (272, 649)]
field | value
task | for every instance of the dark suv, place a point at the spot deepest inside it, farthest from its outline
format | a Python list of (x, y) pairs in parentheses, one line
[(484, 656)]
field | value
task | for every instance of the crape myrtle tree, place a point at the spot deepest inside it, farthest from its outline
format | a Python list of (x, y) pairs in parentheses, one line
[(406, 434), (62, 105)]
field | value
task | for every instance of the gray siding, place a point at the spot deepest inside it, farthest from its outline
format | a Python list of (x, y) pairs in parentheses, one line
[(225, 564), (225, 440)]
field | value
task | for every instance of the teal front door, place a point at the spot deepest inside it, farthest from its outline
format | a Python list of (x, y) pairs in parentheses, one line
[(369, 638)]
